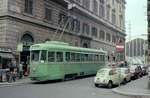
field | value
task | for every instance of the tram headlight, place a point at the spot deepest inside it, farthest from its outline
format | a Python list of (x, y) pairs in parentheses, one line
[(33, 69)]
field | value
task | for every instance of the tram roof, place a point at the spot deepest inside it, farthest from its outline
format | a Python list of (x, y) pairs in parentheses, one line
[(55, 45)]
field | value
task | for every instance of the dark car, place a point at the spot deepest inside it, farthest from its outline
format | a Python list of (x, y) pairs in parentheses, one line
[(144, 70), (136, 71)]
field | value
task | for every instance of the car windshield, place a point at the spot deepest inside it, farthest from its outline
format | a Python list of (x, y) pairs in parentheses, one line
[(102, 71), (122, 71)]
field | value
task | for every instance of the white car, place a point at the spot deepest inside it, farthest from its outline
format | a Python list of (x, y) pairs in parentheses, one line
[(107, 77), (125, 75)]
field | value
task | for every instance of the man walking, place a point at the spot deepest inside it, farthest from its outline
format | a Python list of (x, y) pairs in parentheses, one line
[(12, 75)]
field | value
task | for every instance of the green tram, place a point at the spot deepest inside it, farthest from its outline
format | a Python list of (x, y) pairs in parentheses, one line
[(57, 60)]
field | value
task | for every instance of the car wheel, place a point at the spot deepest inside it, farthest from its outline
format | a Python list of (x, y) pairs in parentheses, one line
[(110, 84), (96, 85)]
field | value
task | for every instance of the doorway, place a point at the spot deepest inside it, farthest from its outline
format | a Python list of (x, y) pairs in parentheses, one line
[(27, 41)]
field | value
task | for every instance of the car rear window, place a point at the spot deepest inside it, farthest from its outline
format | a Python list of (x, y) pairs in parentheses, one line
[(133, 67)]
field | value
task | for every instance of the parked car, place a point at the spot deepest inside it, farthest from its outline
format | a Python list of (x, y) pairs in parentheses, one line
[(136, 71), (144, 70), (107, 77), (125, 75)]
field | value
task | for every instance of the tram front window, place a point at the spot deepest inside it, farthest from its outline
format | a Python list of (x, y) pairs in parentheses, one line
[(35, 55)]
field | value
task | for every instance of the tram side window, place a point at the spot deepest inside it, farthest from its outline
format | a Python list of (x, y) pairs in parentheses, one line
[(51, 56), (99, 58), (43, 55), (82, 57), (68, 56), (102, 58), (73, 57), (78, 55), (35, 55), (96, 58), (59, 57), (85, 57), (90, 57)]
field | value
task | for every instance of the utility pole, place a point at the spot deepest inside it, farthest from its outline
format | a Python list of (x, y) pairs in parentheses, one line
[(148, 35)]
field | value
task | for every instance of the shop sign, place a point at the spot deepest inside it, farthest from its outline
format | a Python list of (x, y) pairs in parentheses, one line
[(5, 50), (120, 46)]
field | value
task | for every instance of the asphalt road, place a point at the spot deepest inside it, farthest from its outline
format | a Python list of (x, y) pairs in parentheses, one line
[(79, 88)]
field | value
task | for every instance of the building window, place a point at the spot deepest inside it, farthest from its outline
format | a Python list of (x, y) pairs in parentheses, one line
[(75, 25), (48, 14), (113, 39), (28, 6), (101, 10), (86, 4), (85, 28), (94, 32), (102, 1), (27, 38), (108, 12), (108, 37), (95, 7), (102, 35), (113, 16), (121, 18)]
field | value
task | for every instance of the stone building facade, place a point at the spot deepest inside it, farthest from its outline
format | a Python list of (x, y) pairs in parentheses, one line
[(86, 23)]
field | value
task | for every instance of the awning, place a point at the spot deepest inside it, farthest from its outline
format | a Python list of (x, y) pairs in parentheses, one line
[(6, 55)]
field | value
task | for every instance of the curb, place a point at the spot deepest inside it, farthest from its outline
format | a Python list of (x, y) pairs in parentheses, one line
[(117, 91), (14, 84)]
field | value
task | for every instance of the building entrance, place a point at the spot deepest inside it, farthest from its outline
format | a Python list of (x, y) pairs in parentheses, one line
[(24, 58), (27, 41)]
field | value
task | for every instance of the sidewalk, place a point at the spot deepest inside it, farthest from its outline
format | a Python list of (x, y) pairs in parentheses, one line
[(136, 88), (18, 82)]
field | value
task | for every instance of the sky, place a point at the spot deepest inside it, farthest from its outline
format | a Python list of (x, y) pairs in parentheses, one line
[(136, 11)]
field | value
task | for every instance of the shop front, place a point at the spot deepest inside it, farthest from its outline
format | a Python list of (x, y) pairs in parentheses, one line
[(5, 58)]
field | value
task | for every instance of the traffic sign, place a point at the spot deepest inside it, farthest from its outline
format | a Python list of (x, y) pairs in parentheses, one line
[(119, 46)]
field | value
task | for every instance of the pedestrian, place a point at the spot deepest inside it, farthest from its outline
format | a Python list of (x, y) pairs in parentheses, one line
[(125, 63), (12, 72), (21, 70)]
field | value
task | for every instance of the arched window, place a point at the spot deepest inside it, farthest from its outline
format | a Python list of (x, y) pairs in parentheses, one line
[(27, 38)]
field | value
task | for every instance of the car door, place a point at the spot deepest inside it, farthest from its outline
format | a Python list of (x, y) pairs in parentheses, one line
[(114, 76)]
